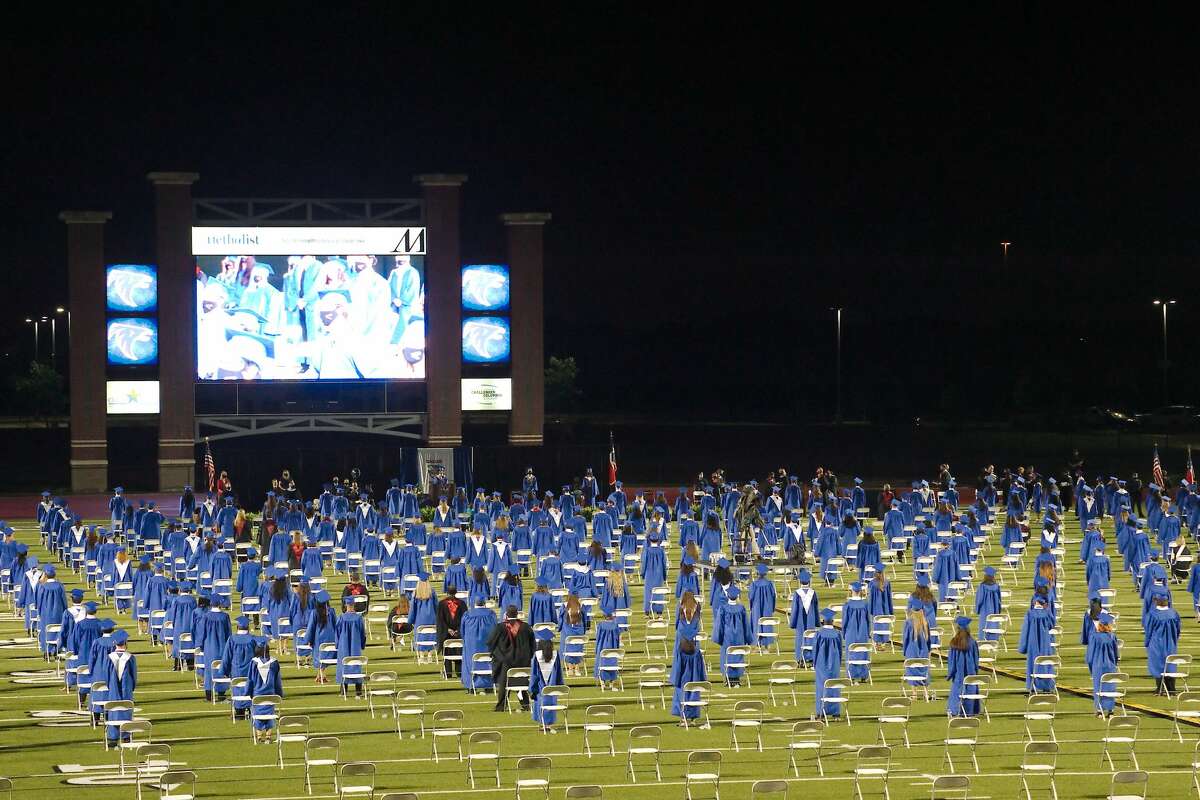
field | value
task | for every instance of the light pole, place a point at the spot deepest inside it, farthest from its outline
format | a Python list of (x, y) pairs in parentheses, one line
[(837, 417), (1165, 365), (36, 339), (1005, 246)]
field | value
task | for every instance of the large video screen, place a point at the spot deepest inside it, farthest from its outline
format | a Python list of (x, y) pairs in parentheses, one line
[(317, 316), (132, 288), (486, 340), (485, 287), (132, 341)]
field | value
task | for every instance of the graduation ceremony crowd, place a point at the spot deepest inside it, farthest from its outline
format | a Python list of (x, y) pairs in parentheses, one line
[(710, 559)]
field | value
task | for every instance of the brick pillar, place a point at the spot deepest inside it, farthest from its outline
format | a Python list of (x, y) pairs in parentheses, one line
[(528, 357), (86, 293), (443, 308), (176, 329)]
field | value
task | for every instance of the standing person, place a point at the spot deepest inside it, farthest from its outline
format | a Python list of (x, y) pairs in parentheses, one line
[(477, 624), (827, 663), (211, 631), (804, 614), (1035, 642), (1102, 656), (687, 667), (961, 663), (351, 637), (120, 674), (322, 630), (51, 600), (510, 644), (235, 664), (1161, 640), (762, 604), (264, 679), (917, 643), (449, 617), (545, 670), (1134, 486), (731, 629)]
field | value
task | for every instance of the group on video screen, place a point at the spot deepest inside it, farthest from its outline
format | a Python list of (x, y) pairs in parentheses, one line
[(310, 317)]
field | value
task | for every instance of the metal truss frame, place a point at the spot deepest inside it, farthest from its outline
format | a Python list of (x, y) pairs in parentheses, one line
[(399, 426), (306, 211)]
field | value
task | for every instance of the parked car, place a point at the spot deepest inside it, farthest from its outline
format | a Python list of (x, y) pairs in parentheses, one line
[(1168, 418)]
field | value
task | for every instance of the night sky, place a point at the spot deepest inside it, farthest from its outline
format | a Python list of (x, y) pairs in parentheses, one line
[(716, 185)]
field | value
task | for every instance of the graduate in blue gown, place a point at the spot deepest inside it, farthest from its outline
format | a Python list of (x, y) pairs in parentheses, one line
[(1102, 656), (119, 672), (962, 661), (84, 634), (350, 636), (545, 670), (879, 595), (321, 630), (508, 591), (479, 587), (688, 621), (653, 568), (456, 575), (687, 667), (762, 602), (917, 642), (550, 571), (181, 613), (1161, 639), (1035, 641), (212, 631), (1099, 571), (572, 621), (235, 663), (263, 678), (710, 537), (476, 625), (945, 570), (51, 600), (615, 595), (1011, 534), (731, 629), (608, 637), (804, 614), (1139, 548), (688, 579), (827, 663), (541, 606), (988, 601), (856, 627), (422, 610), (828, 545)]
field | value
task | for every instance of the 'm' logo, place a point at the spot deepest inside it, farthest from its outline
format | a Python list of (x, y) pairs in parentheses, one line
[(412, 243)]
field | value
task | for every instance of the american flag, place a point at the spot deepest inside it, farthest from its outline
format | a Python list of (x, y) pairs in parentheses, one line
[(210, 468), (612, 461), (1191, 471), (1159, 480)]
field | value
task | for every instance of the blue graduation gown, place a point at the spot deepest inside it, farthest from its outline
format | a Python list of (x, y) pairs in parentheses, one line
[(916, 647), (654, 572), (263, 679), (119, 671), (478, 590), (610, 602), (1101, 657), (543, 674), (351, 638), (960, 665), (317, 634), (827, 664), (180, 613), (1035, 641), (543, 541), (687, 668), (1098, 574), (687, 583), (248, 578), (710, 542), (550, 572), (608, 637), (476, 625), (508, 594), (1161, 639), (987, 601), (541, 608), (945, 570), (211, 634), (731, 629), (423, 612), (501, 559), (856, 629), (456, 576), (804, 616), (879, 599), (762, 604), (235, 663), (51, 600)]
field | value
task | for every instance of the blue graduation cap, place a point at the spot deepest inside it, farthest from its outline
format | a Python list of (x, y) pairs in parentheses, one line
[(856, 586), (989, 571), (544, 635), (243, 623), (50, 571), (90, 607), (723, 562), (77, 595), (321, 596), (1105, 619), (120, 638), (827, 615), (733, 592), (858, 481), (761, 568), (962, 622)]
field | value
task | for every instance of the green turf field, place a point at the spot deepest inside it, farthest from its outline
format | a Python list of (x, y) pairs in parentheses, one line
[(45, 747)]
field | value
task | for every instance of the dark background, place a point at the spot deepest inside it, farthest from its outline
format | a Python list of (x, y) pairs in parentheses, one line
[(716, 185)]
